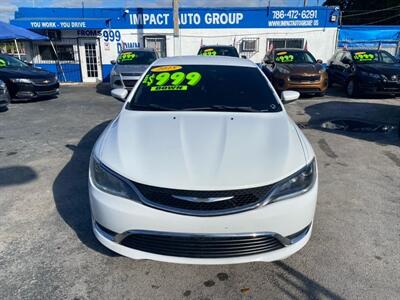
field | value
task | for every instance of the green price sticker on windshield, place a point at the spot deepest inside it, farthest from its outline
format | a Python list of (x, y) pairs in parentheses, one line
[(209, 52), (3, 63), (168, 81), (127, 56), (284, 57), (363, 56)]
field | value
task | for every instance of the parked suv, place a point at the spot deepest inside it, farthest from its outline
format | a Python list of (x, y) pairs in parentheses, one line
[(296, 69), (130, 65), (365, 71)]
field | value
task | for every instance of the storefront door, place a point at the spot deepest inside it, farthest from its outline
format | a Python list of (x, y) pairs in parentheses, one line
[(158, 43), (89, 52)]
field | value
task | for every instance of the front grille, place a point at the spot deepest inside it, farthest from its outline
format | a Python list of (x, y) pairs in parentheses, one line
[(44, 81), (200, 204), (305, 78), (200, 246), (130, 83), (131, 74)]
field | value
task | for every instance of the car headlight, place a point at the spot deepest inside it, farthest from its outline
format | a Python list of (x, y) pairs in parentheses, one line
[(283, 70), (296, 184), (373, 75), (110, 182), (114, 73), (21, 80)]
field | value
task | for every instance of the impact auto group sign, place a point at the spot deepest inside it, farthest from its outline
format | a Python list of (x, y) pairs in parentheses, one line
[(138, 18), (239, 18)]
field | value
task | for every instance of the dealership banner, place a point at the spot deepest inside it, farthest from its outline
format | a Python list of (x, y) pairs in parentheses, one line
[(147, 18)]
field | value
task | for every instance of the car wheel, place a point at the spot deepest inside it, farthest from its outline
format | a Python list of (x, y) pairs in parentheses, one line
[(320, 94), (352, 88)]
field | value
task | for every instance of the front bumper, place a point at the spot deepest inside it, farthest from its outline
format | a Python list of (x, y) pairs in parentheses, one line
[(126, 82), (114, 217), (378, 86), (303, 86), (32, 91), (4, 98)]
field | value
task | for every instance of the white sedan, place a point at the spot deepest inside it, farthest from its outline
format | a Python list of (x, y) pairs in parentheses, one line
[(203, 166)]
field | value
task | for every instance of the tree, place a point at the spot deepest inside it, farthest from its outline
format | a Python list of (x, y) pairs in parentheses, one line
[(368, 12)]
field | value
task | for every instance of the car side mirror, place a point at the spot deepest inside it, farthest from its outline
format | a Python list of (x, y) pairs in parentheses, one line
[(243, 56), (289, 96), (119, 94), (113, 62), (319, 61), (346, 61), (268, 61)]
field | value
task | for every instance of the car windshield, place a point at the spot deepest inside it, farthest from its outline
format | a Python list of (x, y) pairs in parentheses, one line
[(220, 51), (372, 57), (136, 58), (11, 62), (294, 57), (204, 87)]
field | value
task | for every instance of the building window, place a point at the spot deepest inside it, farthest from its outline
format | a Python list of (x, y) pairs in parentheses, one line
[(10, 49), (64, 52), (249, 45), (286, 43)]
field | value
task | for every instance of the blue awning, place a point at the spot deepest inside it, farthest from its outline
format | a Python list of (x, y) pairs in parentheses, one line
[(11, 32), (369, 34)]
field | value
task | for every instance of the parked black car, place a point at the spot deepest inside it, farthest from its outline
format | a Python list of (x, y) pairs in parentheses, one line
[(24, 81), (364, 71), (220, 50)]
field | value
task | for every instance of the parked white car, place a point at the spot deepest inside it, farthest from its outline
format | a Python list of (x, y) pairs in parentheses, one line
[(203, 166)]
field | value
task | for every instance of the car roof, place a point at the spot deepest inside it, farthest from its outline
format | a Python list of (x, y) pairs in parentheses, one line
[(365, 50), (216, 46), (139, 49), (290, 49), (205, 60)]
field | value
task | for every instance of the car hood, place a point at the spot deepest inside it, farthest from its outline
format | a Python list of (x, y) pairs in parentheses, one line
[(202, 150), (29, 72), (130, 68), (385, 69), (301, 68)]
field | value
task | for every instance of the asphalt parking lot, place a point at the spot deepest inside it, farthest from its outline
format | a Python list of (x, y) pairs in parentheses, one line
[(48, 251)]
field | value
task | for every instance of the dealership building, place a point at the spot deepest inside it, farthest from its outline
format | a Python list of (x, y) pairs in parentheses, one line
[(86, 40)]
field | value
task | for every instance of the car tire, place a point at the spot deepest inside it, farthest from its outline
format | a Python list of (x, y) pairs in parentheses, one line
[(320, 94), (351, 88)]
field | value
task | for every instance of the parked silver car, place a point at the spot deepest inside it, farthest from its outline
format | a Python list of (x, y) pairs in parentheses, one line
[(4, 96), (130, 65)]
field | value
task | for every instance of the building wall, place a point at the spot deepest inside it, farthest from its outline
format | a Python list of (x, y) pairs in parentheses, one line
[(115, 29)]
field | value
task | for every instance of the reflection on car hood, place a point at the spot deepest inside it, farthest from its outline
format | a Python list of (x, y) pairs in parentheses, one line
[(385, 69), (202, 150), (130, 68), (301, 68), (28, 72)]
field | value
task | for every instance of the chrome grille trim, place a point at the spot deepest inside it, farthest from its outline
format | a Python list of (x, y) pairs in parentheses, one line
[(247, 243), (231, 204)]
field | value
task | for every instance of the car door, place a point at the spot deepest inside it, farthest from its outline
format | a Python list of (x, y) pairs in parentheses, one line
[(334, 68), (344, 68)]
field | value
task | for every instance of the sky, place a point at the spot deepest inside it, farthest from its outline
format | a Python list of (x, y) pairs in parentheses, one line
[(8, 7)]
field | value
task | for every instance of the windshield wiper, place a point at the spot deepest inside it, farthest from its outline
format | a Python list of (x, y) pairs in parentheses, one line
[(154, 107), (225, 108)]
